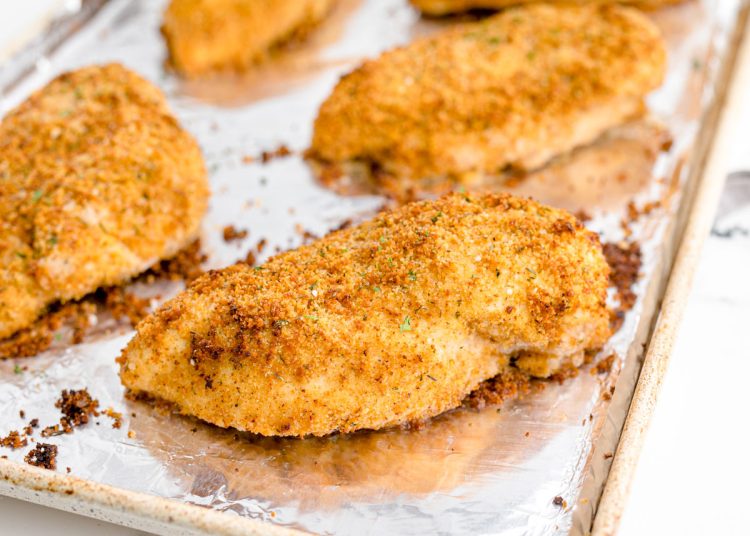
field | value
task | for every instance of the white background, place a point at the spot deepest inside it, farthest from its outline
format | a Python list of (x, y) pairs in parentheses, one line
[(694, 471)]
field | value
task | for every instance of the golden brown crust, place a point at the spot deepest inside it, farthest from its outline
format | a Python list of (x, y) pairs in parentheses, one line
[(515, 89), (446, 7), (205, 36), (97, 182), (394, 320)]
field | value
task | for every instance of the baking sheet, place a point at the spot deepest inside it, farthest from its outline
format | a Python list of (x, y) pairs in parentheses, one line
[(496, 470)]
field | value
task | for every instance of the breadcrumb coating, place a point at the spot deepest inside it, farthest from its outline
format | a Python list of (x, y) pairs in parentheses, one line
[(391, 321), (511, 91), (446, 7), (204, 36), (97, 183)]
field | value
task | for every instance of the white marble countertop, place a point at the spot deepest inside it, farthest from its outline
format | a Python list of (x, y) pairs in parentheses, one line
[(692, 475)]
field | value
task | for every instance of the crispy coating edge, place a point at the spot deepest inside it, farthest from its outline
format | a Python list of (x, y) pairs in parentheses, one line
[(206, 36), (97, 182)]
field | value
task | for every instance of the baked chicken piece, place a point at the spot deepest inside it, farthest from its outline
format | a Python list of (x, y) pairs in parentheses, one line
[(395, 320), (205, 36), (445, 7), (97, 182), (511, 91)]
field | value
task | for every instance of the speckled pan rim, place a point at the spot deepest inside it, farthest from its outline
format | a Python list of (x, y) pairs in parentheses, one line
[(123, 507)]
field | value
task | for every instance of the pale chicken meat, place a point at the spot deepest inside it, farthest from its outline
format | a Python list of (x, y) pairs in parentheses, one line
[(206, 36), (98, 181), (447, 7), (395, 320), (509, 92)]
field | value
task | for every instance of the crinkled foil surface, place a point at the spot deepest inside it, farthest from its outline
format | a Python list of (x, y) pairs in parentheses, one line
[(496, 470)]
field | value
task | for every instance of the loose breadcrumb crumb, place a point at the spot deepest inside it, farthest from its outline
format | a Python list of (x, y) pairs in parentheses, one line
[(43, 455), (116, 417), (13, 440), (230, 233), (280, 152), (625, 261)]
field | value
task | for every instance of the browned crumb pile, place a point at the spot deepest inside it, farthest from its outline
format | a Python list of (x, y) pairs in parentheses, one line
[(76, 407), (625, 261), (512, 384), (13, 440), (186, 265), (506, 386), (41, 334), (122, 304), (563, 374), (75, 315), (43, 455), (230, 233)]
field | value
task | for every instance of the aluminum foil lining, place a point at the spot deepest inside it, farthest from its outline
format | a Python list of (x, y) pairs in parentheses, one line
[(497, 470)]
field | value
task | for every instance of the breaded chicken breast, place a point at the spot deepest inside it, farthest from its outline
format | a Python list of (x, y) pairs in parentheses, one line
[(446, 7), (395, 320), (97, 182), (205, 36), (511, 91)]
